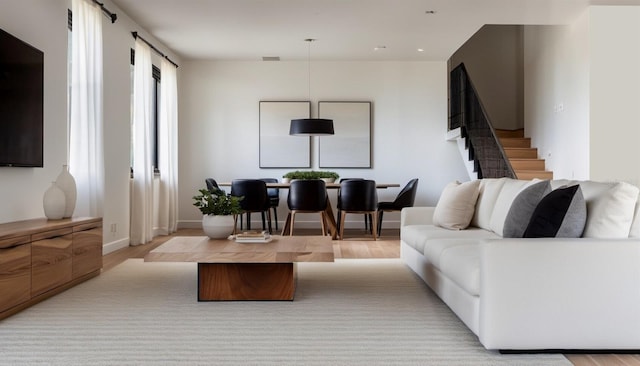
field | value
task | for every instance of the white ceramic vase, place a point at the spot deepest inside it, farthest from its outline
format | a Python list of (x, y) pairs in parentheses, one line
[(67, 183), (54, 202), (217, 227)]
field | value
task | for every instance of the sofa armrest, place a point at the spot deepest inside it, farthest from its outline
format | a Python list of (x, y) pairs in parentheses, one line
[(416, 216), (555, 293)]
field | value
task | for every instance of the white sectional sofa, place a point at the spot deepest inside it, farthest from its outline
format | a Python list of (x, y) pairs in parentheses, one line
[(536, 293)]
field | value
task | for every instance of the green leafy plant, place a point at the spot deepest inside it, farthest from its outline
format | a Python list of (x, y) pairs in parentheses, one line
[(217, 203), (311, 174)]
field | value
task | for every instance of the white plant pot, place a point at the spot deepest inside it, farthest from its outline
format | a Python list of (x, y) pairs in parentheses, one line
[(217, 227), (286, 180), (329, 180)]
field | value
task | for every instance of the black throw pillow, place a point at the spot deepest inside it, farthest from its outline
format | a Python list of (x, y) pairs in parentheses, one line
[(561, 213)]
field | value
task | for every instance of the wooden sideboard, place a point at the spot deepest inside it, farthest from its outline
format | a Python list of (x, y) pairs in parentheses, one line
[(40, 258)]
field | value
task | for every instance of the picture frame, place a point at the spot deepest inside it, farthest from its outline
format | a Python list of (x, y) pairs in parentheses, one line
[(350, 146), (277, 148)]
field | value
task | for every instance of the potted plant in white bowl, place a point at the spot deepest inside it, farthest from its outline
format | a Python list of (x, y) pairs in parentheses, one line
[(327, 176), (218, 209)]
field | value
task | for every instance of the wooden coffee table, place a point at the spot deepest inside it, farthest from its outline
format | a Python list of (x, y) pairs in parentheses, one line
[(232, 271)]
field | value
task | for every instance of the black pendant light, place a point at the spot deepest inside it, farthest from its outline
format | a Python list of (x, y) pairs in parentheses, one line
[(311, 126)]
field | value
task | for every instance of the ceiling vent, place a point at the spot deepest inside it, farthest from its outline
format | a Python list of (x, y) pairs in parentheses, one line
[(270, 58)]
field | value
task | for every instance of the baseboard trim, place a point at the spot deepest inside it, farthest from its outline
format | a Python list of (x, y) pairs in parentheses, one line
[(115, 245)]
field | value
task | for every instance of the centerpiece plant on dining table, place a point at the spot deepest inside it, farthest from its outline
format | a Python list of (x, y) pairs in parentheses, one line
[(218, 209), (312, 174)]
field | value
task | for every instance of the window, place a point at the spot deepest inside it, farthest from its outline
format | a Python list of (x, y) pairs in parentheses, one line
[(155, 110)]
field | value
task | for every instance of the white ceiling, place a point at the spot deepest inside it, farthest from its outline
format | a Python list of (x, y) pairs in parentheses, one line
[(344, 29)]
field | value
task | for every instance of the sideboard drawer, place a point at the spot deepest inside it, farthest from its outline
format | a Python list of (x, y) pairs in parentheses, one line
[(15, 276)]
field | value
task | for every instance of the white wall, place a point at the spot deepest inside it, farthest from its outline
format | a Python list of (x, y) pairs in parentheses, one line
[(493, 59), (556, 90), (581, 93), (21, 189), (43, 23), (219, 120), (614, 51)]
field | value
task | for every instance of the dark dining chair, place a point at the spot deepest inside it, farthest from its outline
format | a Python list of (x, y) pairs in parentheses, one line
[(360, 197), (255, 199), (405, 198), (274, 198), (367, 218), (307, 196), (212, 185)]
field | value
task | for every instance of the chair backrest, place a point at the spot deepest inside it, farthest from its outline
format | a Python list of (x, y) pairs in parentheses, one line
[(307, 195), (212, 185), (358, 195), (407, 195), (272, 192), (254, 192)]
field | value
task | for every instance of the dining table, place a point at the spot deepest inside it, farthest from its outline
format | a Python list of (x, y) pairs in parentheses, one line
[(332, 226)]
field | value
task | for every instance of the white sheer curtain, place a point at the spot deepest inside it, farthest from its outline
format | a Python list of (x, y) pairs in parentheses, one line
[(86, 153), (142, 195), (168, 148)]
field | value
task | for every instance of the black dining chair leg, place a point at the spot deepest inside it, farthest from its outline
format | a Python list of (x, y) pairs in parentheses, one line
[(248, 221), (275, 217), (268, 221), (380, 222)]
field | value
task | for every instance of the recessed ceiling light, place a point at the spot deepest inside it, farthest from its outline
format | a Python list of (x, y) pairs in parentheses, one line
[(430, 12), (378, 48), (420, 49)]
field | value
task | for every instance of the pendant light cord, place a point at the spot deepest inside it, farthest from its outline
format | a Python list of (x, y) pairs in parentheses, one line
[(309, 40)]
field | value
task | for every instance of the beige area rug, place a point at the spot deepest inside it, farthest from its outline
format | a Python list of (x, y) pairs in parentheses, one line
[(351, 312)]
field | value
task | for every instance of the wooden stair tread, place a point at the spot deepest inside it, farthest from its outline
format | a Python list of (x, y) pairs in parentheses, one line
[(527, 164), (509, 133), (531, 174), (515, 142), (521, 152)]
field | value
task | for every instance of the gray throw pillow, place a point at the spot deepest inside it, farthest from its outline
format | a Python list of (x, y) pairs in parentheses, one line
[(522, 208)]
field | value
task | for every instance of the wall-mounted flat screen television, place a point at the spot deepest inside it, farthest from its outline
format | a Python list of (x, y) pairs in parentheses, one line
[(21, 103)]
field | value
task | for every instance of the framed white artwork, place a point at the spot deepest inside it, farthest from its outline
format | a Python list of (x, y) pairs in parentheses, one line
[(350, 146), (277, 148)]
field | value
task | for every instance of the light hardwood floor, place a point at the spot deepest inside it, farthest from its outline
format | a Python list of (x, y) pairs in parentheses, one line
[(359, 245)]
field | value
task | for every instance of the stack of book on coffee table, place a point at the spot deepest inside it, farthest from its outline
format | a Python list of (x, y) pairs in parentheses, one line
[(253, 237)]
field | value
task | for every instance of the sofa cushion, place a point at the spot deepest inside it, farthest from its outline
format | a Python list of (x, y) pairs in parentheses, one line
[(461, 264), (435, 247), (610, 214), (456, 205), (509, 191), (488, 194), (522, 208), (418, 236), (562, 213)]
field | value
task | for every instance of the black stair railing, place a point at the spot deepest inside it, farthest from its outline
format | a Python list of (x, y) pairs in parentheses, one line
[(467, 113)]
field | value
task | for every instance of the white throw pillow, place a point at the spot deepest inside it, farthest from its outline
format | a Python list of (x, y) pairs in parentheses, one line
[(489, 190), (609, 215), (456, 205)]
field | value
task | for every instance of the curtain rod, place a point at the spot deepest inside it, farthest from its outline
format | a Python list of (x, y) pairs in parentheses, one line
[(136, 36), (111, 15)]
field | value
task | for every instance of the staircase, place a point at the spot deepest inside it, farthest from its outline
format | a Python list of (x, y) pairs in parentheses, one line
[(522, 157)]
